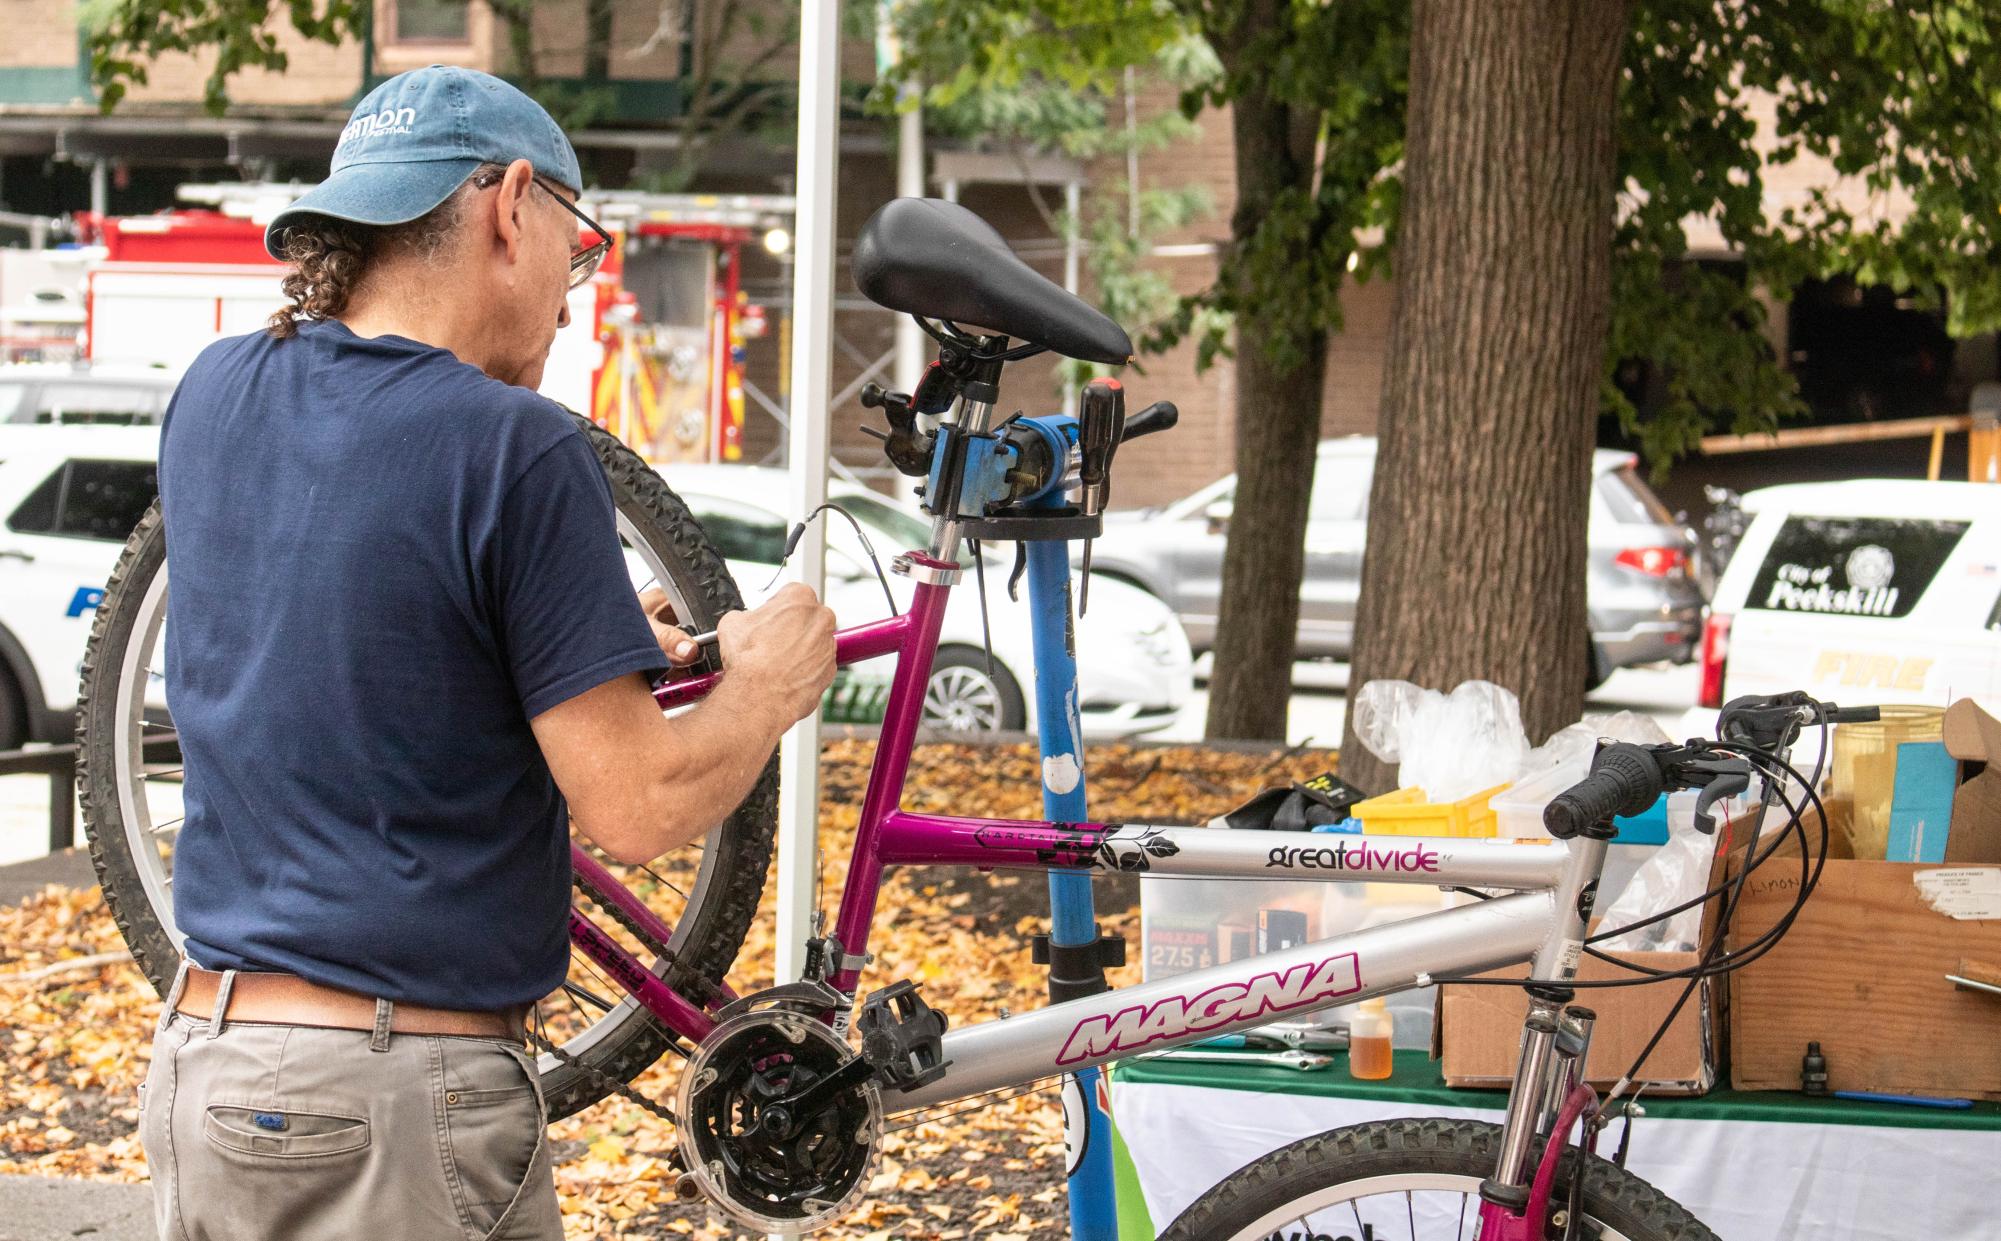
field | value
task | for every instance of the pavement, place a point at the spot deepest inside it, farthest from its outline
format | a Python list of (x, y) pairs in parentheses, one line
[(37, 1208)]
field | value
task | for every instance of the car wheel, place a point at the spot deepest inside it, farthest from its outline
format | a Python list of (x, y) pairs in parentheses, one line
[(13, 714), (963, 697)]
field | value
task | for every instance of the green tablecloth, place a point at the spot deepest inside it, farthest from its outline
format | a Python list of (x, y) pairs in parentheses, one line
[(1416, 1080)]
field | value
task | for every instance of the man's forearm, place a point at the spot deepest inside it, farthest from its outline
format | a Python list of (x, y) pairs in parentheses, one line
[(715, 756)]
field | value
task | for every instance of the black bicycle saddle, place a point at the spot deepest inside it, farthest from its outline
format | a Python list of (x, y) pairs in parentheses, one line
[(925, 256)]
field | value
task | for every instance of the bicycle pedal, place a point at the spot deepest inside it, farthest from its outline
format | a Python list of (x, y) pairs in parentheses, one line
[(902, 1036)]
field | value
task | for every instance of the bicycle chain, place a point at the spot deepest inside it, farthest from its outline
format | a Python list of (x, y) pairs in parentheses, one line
[(606, 1081), (694, 982)]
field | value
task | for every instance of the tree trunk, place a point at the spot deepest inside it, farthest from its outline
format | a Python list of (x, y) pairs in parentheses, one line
[(1278, 426), (1476, 551)]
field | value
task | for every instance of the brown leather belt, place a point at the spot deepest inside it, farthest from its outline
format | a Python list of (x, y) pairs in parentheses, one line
[(287, 999)]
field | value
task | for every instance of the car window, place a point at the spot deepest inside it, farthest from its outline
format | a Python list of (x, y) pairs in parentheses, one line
[(1631, 501), (89, 500), (903, 531), (1852, 566), (1341, 488), (37, 513), (740, 531), (92, 402)]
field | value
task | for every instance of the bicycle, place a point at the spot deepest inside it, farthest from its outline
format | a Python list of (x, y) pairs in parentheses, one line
[(778, 1113)]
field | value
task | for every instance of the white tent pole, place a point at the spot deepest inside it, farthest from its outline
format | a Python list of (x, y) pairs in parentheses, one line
[(910, 340), (1073, 262), (812, 384)]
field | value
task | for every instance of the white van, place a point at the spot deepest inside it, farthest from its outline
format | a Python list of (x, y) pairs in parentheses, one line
[(1870, 591)]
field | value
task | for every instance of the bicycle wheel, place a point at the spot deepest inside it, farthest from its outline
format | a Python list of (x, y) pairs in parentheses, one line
[(1407, 1178), (128, 773)]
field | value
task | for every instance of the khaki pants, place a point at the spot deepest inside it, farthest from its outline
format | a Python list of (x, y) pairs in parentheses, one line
[(257, 1132)]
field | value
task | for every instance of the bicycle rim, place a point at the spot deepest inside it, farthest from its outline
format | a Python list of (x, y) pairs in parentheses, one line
[(1421, 1206)]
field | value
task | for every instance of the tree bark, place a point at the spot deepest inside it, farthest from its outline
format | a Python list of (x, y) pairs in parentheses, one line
[(1476, 548), (1278, 426)]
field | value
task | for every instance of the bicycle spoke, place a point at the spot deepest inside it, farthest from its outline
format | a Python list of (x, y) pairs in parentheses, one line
[(1410, 1213), (579, 991), (170, 825), (664, 883), (1460, 1229), (161, 775)]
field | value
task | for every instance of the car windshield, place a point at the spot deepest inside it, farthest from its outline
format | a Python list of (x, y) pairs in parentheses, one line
[(1631, 501)]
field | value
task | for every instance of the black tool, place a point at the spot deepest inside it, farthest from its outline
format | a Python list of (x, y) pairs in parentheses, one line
[(1101, 424)]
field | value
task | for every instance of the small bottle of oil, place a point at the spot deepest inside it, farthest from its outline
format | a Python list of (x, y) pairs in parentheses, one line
[(1369, 1032)]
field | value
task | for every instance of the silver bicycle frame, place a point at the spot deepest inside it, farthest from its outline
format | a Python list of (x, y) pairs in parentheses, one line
[(1542, 922)]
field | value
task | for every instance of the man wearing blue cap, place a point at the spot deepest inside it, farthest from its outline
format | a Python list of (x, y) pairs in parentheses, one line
[(403, 654)]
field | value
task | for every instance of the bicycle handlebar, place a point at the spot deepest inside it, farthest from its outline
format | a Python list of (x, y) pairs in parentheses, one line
[(1625, 779)]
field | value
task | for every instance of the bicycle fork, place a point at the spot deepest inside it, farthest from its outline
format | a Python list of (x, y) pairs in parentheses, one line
[(1549, 1098)]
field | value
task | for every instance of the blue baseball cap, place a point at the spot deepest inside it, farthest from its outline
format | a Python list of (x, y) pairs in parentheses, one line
[(417, 137)]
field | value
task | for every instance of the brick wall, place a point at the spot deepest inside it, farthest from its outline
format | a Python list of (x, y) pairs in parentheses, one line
[(319, 77), (40, 34)]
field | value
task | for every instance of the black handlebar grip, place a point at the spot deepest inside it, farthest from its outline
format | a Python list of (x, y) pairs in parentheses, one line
[(1624, 779), (1159, 416)]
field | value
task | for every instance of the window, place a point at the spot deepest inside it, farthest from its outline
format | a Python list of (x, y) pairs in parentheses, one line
[(1631, 501), (430, 21), (1852, 566), (739, 531), (123, 404), (89, 500), (37, 513), (904, 532)]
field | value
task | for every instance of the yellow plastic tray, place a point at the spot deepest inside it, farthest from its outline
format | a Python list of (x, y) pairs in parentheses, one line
[(1406, 812)]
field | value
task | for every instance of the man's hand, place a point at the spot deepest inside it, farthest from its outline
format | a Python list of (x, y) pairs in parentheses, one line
[(783, 650), (674, 642)]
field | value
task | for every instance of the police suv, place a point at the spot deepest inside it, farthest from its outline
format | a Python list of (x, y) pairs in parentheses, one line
[(69, 496), (1876, 590)]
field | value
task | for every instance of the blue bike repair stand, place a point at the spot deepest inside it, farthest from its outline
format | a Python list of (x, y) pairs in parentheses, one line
[(1087, 1128)]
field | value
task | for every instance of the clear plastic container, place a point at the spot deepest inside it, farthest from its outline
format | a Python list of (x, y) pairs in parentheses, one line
[(1864, 771), (1371, 1036)]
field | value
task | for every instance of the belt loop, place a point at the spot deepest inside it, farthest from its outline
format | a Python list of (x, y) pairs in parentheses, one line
[(222, 991), (174, 993), (384, 1010)]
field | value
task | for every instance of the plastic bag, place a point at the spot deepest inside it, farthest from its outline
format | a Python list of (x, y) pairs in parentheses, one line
[(1450, 745), (1678, 871), (1572, 747)]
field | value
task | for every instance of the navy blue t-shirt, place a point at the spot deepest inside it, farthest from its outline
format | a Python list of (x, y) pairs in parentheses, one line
[(382, 564)]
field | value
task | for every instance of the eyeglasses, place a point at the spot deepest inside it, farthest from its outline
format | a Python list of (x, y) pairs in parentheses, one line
[(584, 263)]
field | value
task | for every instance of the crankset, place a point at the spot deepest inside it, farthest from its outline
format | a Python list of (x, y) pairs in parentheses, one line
[(780, 1120)]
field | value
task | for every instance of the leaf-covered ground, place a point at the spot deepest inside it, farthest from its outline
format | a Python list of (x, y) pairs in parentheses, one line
[(76, 1043)]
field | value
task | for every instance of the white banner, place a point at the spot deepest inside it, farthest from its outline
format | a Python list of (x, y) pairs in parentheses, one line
[(1747, 1180)]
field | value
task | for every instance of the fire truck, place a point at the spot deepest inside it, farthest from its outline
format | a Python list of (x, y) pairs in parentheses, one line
[(653, 351)]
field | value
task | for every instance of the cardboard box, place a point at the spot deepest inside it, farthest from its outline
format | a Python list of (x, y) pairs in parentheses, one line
[(1974, 738), (1862, 970), (1480, 1028)]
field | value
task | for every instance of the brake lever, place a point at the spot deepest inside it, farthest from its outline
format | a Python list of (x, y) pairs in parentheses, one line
[(1728, 778)]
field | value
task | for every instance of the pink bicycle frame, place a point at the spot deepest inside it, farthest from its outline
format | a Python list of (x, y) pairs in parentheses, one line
[(887, 835)]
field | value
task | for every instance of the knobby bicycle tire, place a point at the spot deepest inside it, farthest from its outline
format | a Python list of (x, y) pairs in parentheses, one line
[(737, 854), (1257, 1200)]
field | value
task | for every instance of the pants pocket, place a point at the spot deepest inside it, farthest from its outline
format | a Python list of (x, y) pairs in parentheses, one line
[(283, 1133), (494, 1132)]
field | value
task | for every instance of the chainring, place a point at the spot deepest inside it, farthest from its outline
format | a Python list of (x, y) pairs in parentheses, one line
[(813, 1174)]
